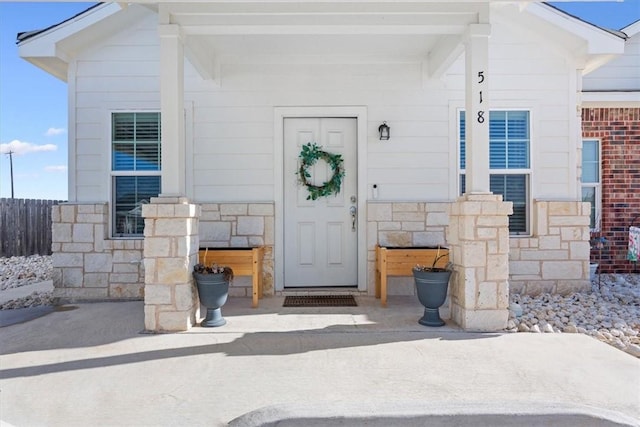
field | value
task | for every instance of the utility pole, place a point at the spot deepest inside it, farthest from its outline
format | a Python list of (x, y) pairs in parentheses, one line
[(10, 153)]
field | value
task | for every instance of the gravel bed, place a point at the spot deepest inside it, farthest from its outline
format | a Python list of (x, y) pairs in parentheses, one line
[(34, 300), (610, 313), (20, 271)]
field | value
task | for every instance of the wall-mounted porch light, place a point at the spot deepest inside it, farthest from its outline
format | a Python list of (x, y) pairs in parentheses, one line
[(384, 131)]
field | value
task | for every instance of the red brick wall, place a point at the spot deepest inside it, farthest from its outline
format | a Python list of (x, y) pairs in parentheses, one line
[(618, 130)]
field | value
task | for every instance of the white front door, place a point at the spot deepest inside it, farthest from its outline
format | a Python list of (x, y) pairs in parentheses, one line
[(320, 236)]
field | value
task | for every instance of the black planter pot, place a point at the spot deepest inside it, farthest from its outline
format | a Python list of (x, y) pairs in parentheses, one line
[(432, 288), (213, 290)]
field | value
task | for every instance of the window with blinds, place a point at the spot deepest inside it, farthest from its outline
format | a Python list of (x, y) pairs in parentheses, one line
[(135, 166), (136, 142), (509, 162), (591, 179)]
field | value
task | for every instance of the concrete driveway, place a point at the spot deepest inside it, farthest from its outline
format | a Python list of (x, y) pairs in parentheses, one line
[(90, 364)]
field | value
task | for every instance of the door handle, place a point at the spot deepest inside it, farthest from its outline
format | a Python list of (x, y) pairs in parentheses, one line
[(352, 211)]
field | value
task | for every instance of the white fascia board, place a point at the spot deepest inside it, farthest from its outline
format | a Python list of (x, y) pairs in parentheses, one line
[(611, 99), (72, 26), (632, 30), (43, 49), (294, 30), (598, 41)]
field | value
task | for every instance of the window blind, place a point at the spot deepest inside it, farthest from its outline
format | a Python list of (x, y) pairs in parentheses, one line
[(130, 193), (135, 152), (136, 142), (509, 141)]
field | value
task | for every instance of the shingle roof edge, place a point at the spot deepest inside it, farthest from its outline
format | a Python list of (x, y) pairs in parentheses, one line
[(617, 33), (26, 35)]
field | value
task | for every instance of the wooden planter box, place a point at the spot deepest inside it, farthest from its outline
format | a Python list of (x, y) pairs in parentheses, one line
[(394, 261), (243, 262)]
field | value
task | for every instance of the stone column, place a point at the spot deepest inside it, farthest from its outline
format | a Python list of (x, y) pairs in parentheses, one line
[(478, 234), (171, 245)]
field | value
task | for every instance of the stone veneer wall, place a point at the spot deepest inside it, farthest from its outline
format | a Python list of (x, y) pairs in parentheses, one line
[(556, 258), (241, 225), (89, 266), (403, 224)]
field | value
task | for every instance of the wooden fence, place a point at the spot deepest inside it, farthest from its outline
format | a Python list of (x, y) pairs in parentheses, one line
[(25, 227)]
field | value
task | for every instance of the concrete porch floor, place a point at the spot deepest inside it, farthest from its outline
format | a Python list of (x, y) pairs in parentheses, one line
[(92, 365)]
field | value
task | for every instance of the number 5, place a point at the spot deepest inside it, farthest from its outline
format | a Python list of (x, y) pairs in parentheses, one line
[(480, 76)]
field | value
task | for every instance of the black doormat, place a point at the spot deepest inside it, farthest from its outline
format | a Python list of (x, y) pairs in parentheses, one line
[(320, 301)]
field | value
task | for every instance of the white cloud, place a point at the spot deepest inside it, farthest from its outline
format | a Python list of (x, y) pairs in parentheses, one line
[(19, 147), (56, 168), (54, 131)]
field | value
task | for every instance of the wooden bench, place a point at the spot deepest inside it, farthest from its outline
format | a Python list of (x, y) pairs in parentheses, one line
[(243, 262), (394, 261)]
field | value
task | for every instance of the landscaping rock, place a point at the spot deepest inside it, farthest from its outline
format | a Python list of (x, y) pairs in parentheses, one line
[(610, 313)]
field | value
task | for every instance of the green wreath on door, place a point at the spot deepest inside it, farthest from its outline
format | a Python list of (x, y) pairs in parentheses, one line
[(310, 154)]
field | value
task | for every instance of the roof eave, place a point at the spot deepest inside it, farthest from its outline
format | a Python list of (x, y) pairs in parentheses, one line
[(54, 66), (29, 34), (632, 29), (599, 41), (42, 48)]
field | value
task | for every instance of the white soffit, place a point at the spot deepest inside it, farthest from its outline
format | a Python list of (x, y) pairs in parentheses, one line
[(51, 49)]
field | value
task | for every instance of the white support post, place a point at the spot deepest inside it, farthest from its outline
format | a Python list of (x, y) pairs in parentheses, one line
[(477, 108), (172, 109)]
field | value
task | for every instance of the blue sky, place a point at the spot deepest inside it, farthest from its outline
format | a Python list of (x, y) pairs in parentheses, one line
[(33, 107), (33, 104)]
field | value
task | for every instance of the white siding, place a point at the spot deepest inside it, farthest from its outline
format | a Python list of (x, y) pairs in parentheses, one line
[(120, 73), (622, 73), (231, 151), (529, 74), (246, 99)]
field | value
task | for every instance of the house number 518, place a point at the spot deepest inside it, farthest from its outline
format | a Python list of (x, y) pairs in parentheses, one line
[(480, 81)]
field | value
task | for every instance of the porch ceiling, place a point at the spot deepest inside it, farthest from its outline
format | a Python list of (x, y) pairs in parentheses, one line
[(321, 45), (218, 33)]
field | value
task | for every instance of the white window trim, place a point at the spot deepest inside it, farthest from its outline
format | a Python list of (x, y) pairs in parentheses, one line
[(596, 185), (113, 173), (598, 197), (526, 171)]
